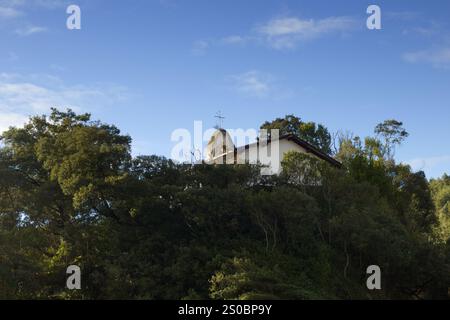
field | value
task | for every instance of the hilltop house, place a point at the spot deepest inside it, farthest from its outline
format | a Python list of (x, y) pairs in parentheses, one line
[(267, 152)]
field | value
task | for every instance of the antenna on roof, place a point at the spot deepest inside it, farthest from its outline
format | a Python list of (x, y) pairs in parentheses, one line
[(220, 118)]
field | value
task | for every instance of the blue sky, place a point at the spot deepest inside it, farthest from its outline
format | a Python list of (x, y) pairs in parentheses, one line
[(151, 67)]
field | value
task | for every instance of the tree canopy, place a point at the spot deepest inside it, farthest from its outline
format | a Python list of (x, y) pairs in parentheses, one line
[(148, 228), (315, 134)]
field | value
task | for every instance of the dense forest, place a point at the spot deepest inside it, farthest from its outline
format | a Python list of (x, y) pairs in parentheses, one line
[(145, 227)]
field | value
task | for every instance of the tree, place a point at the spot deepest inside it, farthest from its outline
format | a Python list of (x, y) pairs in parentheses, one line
[(148, 228), (315, 134), (259, 277), (60, 178), (393, 134), (440, 189)]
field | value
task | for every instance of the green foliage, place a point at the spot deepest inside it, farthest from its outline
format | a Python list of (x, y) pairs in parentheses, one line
[(274, 279), (148, 228), (393, 134), (440, 189), (316, 134)]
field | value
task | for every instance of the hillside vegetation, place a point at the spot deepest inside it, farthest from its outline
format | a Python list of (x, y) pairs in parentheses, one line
[(148, 228)]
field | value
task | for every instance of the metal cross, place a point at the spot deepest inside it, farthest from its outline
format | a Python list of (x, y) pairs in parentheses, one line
[(220, 119)]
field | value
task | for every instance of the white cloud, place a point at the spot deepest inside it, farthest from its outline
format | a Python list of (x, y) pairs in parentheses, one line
[(170, 4), (27, 31), (402, 15), (9, 12), (285, 26), (257, 84), (199, 47), (233, 40), (11, 120), (252, 83), (430, 163), (427, 29), (282, 33), (438, 58), (58, 68), (22, 96), (50, 4), (13, 14), (11, 3)]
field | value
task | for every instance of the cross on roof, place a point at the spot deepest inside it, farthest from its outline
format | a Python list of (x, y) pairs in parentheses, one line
[(220, 119)]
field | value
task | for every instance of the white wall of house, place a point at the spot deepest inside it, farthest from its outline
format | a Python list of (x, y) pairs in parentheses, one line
[(262, 154)]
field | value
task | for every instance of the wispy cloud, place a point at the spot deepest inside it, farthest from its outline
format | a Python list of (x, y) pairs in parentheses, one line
[(28, 31), (170, 4), (437, 57), (428, 164), (235, 39), (436, 33), (50, 4), (285, 32), (252, 83), (10, 119), (425, 28), (199, 47), (402, 15), (8, 12), (58, 68), (258, 84), (14, 14), (282, 33), (24, 95)]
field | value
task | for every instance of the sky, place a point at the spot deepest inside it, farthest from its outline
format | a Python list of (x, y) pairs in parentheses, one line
[(153, 66)]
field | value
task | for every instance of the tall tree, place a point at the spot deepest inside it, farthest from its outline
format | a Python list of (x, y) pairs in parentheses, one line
[(315, 134), (393, 134)]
